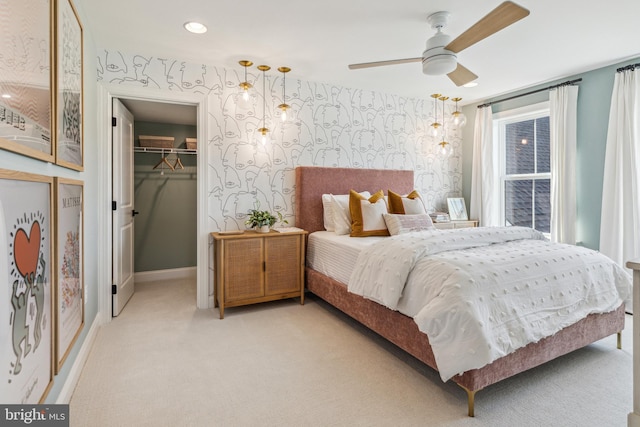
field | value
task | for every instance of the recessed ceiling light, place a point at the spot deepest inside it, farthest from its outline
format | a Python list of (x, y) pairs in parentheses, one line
[(470, 84), (195, 27)]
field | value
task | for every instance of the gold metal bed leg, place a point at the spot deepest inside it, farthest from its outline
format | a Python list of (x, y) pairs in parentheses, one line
[(620, 340), (471, 400)]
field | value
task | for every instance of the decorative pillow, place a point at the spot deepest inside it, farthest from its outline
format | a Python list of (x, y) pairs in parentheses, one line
[(336, 212), (367, 215), (400, 224), (411, 204)]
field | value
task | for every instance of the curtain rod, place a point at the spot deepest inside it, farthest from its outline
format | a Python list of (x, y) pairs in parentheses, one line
[(568, 82), (628, 67)]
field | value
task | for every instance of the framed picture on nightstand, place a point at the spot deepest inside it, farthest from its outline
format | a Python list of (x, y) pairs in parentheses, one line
[(457, 209)]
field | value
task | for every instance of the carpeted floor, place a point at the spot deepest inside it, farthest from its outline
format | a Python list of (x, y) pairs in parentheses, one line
[(162, 362)]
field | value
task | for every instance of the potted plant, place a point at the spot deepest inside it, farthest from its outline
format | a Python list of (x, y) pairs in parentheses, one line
[(262, 221)]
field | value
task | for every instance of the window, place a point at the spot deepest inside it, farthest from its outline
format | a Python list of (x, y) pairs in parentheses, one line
[(525, 175)]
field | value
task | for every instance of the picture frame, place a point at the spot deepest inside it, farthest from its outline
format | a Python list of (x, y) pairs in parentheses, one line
[(69, 266), (69, 87), (26, 78), (26, 302), (457, 209)]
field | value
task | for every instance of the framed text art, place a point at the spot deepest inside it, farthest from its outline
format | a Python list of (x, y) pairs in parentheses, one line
[(69, 87), (26, 309), (69, 244), (26, 97)]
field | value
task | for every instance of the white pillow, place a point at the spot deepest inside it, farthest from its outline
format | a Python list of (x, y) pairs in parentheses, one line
[(400, 224), (336, 214)]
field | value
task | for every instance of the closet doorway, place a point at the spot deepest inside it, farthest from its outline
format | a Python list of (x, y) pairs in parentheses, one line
[(156, 183)]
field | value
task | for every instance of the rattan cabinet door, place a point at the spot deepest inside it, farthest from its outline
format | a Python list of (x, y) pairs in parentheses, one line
[(243, 269), (282, 256)]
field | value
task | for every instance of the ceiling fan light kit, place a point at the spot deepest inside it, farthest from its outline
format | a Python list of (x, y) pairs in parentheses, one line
[(440, 56)]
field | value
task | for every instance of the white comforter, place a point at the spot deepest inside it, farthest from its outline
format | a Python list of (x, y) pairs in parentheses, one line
[(482, 293)]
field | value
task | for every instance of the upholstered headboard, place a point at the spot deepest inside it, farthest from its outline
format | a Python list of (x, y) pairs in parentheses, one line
[(314, 181)]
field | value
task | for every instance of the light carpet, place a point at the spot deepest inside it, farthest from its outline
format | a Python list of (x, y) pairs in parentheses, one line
[(162, 362)]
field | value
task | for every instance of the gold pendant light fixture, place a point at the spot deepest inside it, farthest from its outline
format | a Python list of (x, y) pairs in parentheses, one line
[(458, 118), (435, 130), (245, 86), (264, 130), (445, 147), (284, 107)]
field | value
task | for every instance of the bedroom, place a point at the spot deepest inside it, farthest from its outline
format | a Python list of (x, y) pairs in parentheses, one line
[(335, 114)]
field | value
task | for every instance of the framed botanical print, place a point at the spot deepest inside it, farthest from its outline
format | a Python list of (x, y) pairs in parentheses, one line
[(69, 266), (26, 309), (26, 75), (69, 87)]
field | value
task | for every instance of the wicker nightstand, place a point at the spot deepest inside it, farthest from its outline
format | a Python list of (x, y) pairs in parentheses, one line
[(257, 267)]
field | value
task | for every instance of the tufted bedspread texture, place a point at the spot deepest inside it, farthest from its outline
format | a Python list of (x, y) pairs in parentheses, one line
[(482, 293)]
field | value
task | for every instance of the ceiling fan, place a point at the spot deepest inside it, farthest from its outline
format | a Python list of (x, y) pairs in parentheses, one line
[(440, 55)]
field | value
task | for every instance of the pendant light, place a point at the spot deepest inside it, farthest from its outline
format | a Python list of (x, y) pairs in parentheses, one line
[(435, 127), (445, 148), (458, 117), (285, 109), (245, 86), (264, 130)]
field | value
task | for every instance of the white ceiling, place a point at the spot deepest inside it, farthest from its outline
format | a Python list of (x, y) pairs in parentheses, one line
[(318, 39)]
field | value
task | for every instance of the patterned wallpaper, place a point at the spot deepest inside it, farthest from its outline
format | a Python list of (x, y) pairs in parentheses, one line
[(333, 126)]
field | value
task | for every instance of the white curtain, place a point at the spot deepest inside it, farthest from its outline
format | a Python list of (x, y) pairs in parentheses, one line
[(485, 182), (563, 107), (620, 220)]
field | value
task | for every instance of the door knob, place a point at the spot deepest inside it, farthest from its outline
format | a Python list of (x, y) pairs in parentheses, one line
[(134, 212)]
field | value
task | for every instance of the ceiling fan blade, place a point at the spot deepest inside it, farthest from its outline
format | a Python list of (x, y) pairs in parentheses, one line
[(499, 18), (461, 75), (381, 63)]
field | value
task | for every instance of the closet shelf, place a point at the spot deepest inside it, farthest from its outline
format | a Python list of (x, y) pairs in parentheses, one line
[(164, 150)]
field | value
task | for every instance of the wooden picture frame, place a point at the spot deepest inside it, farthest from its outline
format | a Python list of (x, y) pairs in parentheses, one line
[(69, 87), (457, 209), (26, 302), (26, 78), (69, 266)]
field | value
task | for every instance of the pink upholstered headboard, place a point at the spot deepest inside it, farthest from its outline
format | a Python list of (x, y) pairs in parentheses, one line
[(313, 181)]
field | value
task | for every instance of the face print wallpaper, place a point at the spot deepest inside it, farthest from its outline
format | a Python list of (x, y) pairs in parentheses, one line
[(332, 126)]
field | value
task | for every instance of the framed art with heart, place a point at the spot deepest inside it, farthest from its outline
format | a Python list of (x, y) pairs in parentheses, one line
[(26, 300), (69, 245)]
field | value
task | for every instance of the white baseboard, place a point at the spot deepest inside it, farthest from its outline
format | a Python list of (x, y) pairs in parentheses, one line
[(173, 273), (74, 373)]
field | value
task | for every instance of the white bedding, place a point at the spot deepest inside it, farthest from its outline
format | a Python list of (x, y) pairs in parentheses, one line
[(482, 293), (335, 255)]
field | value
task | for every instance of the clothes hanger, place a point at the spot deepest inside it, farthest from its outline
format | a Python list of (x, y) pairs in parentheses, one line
[(163, 162), (178, 164)]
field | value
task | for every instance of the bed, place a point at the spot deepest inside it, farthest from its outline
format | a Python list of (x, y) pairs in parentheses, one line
[(401, 330)]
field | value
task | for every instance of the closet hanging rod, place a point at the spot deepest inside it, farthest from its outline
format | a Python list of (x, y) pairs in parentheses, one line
[(164, 150), (568, 82)]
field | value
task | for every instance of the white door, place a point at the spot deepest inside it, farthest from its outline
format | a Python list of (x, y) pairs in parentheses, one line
[(123, 208)]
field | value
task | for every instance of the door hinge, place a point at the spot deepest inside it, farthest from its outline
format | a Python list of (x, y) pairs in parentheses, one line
[(114, 289), (113, 121), (264, 265), (114, 205)]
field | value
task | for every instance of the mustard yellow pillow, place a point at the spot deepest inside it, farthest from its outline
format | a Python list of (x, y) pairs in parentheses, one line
[(411, 204), (367, 215)]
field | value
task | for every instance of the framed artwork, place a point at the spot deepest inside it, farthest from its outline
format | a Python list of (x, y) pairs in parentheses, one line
[(26, 97), (69, 266), (26, 308), (457, 209), (69, 87)]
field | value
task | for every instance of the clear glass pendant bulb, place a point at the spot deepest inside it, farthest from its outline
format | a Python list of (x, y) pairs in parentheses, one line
[(459, 119)]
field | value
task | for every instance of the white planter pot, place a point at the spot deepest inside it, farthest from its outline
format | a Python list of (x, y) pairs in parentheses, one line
[(263, 229)]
